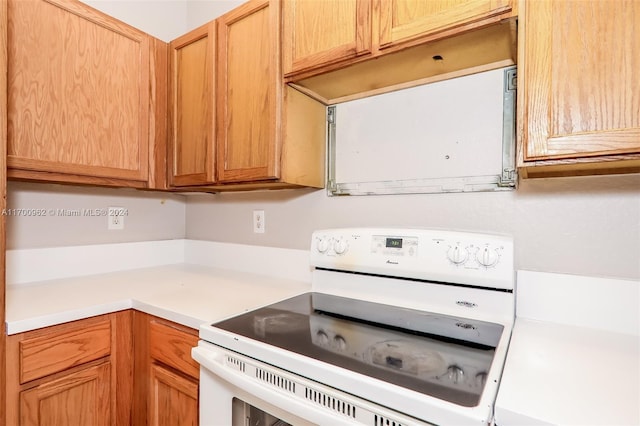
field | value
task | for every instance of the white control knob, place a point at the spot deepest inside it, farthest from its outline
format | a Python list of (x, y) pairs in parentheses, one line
[(457, 255), (323, 244), (340, 246), (455, 374), (487, 257)]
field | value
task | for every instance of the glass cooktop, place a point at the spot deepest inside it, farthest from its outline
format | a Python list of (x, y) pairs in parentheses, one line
[(438, 355)]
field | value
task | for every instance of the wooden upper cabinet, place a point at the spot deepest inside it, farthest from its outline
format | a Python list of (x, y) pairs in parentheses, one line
[(249, 90), (404, 20), (318, 32), (340, 50), (192, 107), (78, 92), (579, 69)]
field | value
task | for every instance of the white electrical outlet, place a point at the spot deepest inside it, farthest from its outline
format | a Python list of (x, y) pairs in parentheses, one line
[(258, 221), (115, 217)]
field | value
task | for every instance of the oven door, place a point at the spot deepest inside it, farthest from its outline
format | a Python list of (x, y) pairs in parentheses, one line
[(275, 397)]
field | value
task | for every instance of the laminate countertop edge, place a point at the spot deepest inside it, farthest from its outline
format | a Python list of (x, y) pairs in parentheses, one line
[(187, 294)]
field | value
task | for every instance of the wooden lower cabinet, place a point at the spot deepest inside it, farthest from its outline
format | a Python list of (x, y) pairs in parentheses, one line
[(174, 398), (166, 377), (79, 398), (77, 373), (124, 368)]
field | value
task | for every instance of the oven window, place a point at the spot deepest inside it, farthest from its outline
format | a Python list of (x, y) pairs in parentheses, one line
[(244, 414)]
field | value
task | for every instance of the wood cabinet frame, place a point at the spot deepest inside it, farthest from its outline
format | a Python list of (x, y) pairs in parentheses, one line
[(3, 199)]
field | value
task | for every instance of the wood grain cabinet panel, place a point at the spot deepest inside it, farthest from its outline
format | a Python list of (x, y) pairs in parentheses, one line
[(248, 92), (268, 135), (166, 377), (580, 98), (77, 373), (47, 354), (173, 399), (80, 398), (340, 50), (317, 33), (404, 20), (78, 92), (192, 112), (172, 344)]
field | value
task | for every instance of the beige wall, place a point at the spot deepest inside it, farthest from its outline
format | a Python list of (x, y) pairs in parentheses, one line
[(582, 225), (151, 215), (165, 19), (200, 12), (585, 226)]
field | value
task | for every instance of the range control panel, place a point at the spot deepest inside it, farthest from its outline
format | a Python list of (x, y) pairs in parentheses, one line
[(435, 255), (394, 246)]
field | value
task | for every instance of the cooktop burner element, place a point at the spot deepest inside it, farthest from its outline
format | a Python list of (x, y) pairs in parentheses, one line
[(413, 322)]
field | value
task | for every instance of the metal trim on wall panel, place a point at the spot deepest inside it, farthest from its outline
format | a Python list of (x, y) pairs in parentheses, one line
[(504, 179)]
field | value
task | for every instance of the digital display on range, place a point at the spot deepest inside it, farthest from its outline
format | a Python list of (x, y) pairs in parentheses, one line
[(394, 242)]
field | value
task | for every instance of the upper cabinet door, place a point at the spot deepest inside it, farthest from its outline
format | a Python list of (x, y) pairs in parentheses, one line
[(580, 72), (192, 110), (405, 20), (319, 32), (78, 91), (249, 92)]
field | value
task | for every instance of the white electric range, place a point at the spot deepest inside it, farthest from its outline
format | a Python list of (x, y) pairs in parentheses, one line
[(402, 327)]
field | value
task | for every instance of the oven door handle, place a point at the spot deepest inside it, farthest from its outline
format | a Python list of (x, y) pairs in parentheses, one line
[(213, 361)]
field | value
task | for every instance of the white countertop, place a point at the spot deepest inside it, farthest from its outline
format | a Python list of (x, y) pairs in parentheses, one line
[(574, 355), (187, 294), (569, 375)]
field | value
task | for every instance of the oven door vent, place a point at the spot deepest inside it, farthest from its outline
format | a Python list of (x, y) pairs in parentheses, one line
[(383, 421), (276, 380), (330, 402), (236, 363)]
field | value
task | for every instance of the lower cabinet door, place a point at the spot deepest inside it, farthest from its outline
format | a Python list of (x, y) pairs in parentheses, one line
[(80, 398), (174, 398)]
